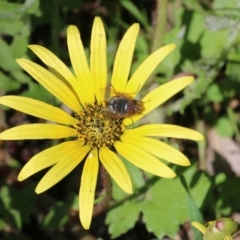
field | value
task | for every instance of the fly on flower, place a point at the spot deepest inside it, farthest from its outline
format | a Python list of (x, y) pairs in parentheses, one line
[(89, 136), (121, 105)]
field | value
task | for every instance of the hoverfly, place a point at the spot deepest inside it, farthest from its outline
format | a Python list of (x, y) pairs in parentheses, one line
[(121, 105)]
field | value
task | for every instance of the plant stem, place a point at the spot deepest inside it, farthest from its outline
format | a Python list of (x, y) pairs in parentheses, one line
[(159, 24), (106, 195), (55, 28), (201, 144)]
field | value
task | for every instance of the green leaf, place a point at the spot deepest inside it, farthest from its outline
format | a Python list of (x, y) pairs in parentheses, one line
[(9, 63), (123, 218), (166, 207), (128, 5), (224, 127), (20, 76), (17, 204), (196, 26), (195, 215), (199, 185), (19, 46), (135, 173), (136, 176), (9, 11), (223, 4), (38, 92), (194, 5), (214, 93), (229, 191), (213, 43), (232, 70), (12, 28), (9, 216), (117, 192), (165, 204), (58, 214), (24, 201), (7, 83), (31, 7)]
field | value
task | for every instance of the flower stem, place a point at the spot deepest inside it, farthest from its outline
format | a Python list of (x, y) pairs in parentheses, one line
[(159, 24), (106, 194), (201, 144), (56, 27)]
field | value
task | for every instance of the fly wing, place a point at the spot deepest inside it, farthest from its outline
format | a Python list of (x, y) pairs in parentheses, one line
[(108, 92)]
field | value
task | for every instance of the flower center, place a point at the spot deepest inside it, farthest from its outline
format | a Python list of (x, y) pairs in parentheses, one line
[(96, 127)]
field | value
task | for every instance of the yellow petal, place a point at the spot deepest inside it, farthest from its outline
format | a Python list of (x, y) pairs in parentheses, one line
[(98, 58), (157, 148), (143, 160), (142, 73), (200, 227), (48, 158), (38, 109), (116, 169), (123, 59), (87, 189), (55, 65), (159, 95), (51, 83), (80, 65), (62, 168), (165, 130), (38, 131)]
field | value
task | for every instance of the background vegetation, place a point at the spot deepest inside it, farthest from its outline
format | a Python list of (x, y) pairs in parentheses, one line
[(206, 33)]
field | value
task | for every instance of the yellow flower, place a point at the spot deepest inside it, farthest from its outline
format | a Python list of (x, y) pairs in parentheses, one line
[(218, 229), (96, 137)]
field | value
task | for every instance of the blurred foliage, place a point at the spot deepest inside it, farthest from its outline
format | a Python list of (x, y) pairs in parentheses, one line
[(206, 33)]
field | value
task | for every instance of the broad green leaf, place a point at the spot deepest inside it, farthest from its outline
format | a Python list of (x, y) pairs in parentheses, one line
[(12, 28), (229, 200), (10, 217), (20, 76), (199, 185), (166, 207), (3, 223), (9, 63), (19, 46), (58, 214), (9, 11), (232, 70), (195, 215), (224, 127), (216, 23), (18, 204), (214, 93), (194, 5), (136, 176), (213, 43), (227, 5), (31, 7), (23, 200), (7, 83), (196, 27), (123, 218), (129, 5), (117, 192), (135, 173)]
